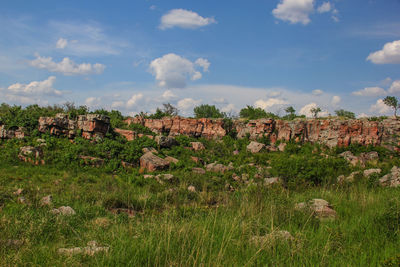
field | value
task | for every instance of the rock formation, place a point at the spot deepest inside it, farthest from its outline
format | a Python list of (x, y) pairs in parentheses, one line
[(13, 132), (91, 125), (331, 132)]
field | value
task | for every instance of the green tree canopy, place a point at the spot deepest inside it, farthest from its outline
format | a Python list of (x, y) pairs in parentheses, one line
[(208, 111), (252, 113), (392, 102), (345, 114)]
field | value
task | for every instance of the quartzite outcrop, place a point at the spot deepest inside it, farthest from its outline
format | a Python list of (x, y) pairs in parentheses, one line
[(91, 125), (331, 132)]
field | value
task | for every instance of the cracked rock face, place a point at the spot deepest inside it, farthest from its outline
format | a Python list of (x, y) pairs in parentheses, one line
[(391, 179)]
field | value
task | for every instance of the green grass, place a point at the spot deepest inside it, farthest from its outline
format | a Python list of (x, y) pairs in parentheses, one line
[(174, 227)]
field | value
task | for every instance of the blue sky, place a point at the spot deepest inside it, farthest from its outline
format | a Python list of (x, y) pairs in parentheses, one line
[(136, 55)]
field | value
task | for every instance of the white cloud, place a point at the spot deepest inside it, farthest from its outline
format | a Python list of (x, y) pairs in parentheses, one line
[(230, 108), (185, 19), (362, 115), (172, 71), (306, 110), (220, 100), (133, 100), (62, 43), (117, 104), (390, 54), (270, 102), (395, 87), (370, 91), (204, 63), (274, 94), (335, 100), (380, 107), (325, 7), (168, 95), (294, 11), (35, 88), (92, 102), (66, 66), (186, 105), (317, 92)]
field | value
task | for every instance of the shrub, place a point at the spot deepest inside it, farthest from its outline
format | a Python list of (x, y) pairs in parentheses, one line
[(208, 111)]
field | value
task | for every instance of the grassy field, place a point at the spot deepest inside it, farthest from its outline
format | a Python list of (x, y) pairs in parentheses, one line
[(166, 224)]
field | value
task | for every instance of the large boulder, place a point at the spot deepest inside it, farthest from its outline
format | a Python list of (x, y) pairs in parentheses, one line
[(391, 179), (197, 146), (166, 141), (151, 162), (320, 208), (216, 167), (255, 147), (128, 134), (362, 159), (31, 154)]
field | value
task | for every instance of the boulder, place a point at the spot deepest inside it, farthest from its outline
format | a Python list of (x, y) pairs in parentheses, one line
[(198, 170), (191, 188), (151, 162), (216, 167), (362, 159), (348, 179), (14, 132), (197, 146), (128, 134), (46, 201), (320, 208), (370, 172), (31, 154), (391, 179), (272, 181), (165, 141), (149, 149), (255, 147), (64, 210), (171, 159)]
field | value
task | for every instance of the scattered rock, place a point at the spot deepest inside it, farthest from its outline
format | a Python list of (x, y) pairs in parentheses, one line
[(282, 147), (348, 179), (171, 159), (166, 141), (236, 177), (216, 167), (229, 187), (149, 149), (362, 159), (21, 200), (320, 208), (90, 250), (272, 238), (46, 201), (236, 152), (191, 188), (128, 134), (18, 192), (370, 172), (391, 179), (197, 160), (198, 170), (255, 147), (197, 146), (63, 210), (272, 181), (31, 154), (151, 162)]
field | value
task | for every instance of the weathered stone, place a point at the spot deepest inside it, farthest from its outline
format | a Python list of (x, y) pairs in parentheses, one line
[(150, 149), (128, 134), (91, 125), (92, 161), (370, 172), (198, 170), (348, 179), (216, 167), (90, 250), (197, 146), (272, 181), (281, 147), (165, 141), (21, 200), (197, 160), (171, 159), (151, 162), (31, 154), (63, 210), (14, 132), (46, 201), (255, 147), (191, 188), (362, 159), (319, 207), (391, 179)]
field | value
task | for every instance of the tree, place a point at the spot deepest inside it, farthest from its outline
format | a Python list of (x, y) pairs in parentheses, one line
[(290, 110), (170, 110), (345, 114), (252, 113), (392, 102), (208, 111), (315, 111)]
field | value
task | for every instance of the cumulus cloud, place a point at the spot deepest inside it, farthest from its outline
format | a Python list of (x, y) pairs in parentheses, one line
[(274, 94), (93, 102), (370, 91), (335, 100), (390, 54), (230, 108), (395, 87), (172, 71), (294, 11), (325, 7), (306, 110), (204, 63), (185, 19), (270, 102), (62, 43), (134, 100), (380, 107), (66, 66), (168, 95), (35, 88), (317, 92), (186, 105), (117, 104)]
